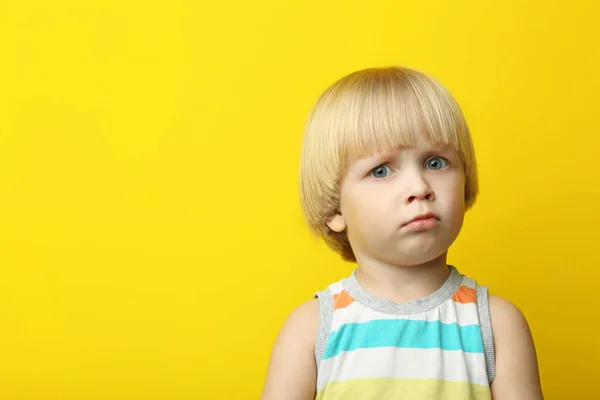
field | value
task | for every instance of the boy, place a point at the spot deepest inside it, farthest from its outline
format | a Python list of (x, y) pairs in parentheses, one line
[(387, 173)]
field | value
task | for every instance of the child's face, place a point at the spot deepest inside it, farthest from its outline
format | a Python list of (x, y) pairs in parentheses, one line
[(381, 195)]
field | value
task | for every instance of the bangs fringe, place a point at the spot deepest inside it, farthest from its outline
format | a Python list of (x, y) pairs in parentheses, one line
[(384, 112)]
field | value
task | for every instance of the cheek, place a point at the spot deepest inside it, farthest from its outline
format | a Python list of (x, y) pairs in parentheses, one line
[(455, 200), (455, 186), (458, 196), (460, 192), (364, 212), (451, 194)]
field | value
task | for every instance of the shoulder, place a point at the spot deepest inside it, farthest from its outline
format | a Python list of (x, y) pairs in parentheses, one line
[(504, 314), (304, 320), (292, 371), (517, 374), (300, 328)]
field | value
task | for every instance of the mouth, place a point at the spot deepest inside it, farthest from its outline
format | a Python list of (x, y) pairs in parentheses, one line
[(422, 222)]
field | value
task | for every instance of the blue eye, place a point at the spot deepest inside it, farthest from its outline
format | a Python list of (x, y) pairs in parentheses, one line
[(381, 171), (436, 163)]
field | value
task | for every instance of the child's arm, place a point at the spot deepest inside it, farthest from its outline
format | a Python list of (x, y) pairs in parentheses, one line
[(517, 375), (292, 369)]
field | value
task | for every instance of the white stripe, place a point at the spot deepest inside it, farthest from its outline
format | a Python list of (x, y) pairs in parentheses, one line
[(394, 362), (448, 313), (336, 288)]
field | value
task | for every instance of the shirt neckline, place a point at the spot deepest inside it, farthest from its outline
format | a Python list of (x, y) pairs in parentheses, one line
[(443, 294)]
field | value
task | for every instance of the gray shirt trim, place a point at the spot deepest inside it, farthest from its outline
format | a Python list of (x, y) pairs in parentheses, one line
[(485, 323), (355, 289), (325, 321)]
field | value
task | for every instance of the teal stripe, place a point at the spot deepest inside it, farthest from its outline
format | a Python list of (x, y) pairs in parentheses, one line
[(404, 333)]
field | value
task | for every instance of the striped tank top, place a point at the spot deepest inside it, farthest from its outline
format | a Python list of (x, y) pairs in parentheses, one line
[(439, 347)]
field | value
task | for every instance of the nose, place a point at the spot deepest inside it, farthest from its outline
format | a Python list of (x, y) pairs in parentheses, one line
[(417, 188)]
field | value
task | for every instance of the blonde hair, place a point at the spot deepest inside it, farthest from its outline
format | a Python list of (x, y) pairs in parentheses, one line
[(369, 110)]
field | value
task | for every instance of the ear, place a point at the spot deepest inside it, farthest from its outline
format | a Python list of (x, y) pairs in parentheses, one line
[(337, 223)]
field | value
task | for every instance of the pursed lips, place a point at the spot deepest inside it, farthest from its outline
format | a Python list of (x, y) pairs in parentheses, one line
[(423, 221)]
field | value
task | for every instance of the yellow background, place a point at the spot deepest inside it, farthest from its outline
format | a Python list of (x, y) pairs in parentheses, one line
[(151, 242)]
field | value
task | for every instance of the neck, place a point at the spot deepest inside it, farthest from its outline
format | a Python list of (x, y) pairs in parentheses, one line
[(403, 283)]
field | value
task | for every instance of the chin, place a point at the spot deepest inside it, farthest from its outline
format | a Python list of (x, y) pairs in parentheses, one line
[(415, 261), (418, 256)]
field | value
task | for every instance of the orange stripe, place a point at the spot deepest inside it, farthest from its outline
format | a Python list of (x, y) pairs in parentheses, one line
[(342, 300), (465, 295)]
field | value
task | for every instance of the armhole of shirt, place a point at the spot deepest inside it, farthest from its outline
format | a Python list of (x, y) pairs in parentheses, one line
[(325, 320), (485, 323)]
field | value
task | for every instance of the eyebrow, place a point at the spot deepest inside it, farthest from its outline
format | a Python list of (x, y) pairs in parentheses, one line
[(380, 157), (370, 162), (439, 146)]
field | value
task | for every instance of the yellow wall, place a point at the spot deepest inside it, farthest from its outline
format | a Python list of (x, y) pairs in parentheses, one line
[(150, 237)]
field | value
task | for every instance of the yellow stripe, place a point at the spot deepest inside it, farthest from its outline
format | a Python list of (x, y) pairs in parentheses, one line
[(414, 389)]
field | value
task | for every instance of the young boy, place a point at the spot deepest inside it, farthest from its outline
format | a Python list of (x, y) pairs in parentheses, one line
[(387, 173)]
